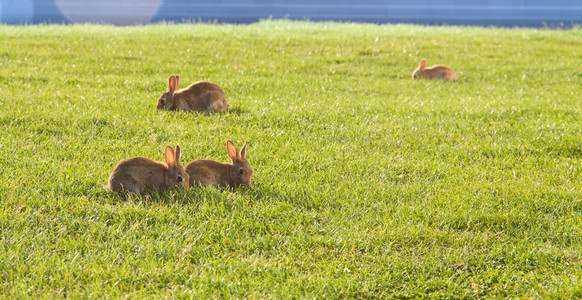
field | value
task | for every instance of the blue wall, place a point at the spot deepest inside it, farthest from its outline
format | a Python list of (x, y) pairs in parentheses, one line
[(467, 12)]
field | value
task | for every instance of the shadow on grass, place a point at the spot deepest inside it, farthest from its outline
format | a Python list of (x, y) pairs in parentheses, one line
[(193, 195), (237, 111), (231, 111), (241, 196)]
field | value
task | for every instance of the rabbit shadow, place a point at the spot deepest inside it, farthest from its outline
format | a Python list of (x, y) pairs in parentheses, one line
[(231, 111), (149, 198), (253, 193), (241, 198), (194, 194), (234, 111)]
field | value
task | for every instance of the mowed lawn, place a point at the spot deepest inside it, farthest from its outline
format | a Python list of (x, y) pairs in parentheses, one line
[(366, 184)]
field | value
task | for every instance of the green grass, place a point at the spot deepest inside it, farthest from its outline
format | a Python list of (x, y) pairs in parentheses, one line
[(367, 184)]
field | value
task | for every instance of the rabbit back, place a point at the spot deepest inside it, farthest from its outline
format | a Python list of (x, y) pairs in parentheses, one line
[(137, 175), (201, 96), (440, 72), (208, 172)]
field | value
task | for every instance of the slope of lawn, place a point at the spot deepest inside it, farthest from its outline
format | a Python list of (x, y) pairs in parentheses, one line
[(367, 184)]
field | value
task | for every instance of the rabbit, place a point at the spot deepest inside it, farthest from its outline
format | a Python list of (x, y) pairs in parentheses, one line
[(434, 72), (141, 174), (199, 96), (214, 173)]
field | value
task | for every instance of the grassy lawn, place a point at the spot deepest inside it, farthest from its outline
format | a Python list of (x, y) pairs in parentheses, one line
[(367, 184)]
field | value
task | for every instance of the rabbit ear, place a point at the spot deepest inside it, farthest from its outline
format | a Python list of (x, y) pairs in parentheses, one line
[(422, 64), (169, 156), (177, 155), (172, 84), (243, 151), (232, 151), (177, 81)]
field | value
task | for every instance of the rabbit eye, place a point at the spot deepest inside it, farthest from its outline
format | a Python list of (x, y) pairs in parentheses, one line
[(180, 178), (240, 171), (162, 100)]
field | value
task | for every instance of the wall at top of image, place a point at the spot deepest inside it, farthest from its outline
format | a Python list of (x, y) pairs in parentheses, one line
[(458, 12)]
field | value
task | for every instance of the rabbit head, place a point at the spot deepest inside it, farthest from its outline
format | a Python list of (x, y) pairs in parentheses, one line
[(241, 171), (176, 175), (166, 100), (419, 71)]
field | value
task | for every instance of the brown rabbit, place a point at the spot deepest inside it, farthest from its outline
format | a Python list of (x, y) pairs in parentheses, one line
[(141, 174), (199, 96), (434, 72), (211, 172)]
